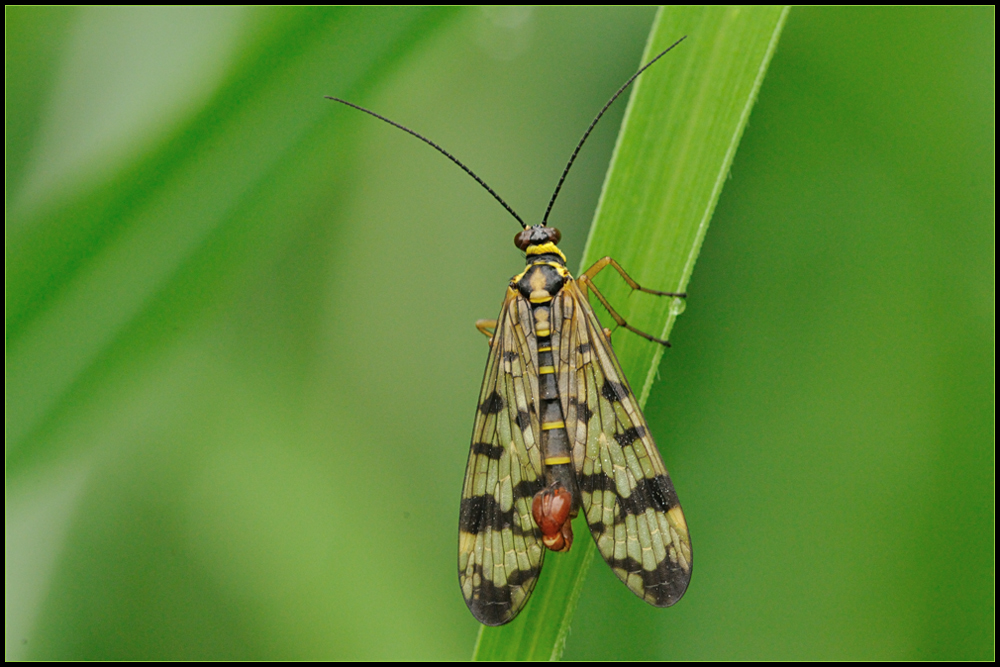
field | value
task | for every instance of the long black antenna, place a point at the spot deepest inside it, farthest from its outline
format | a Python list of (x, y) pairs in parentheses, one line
[(443, 152), (586, 134)]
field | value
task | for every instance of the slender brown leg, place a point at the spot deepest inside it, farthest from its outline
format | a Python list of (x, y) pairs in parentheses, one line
[(586, 283), (487, 328), (602, 263)]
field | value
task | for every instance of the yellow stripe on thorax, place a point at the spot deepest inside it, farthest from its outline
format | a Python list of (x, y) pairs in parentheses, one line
[(544, 249), (548, 426), (556, 460)]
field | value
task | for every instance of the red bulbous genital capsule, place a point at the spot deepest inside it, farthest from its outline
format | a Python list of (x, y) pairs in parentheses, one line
[(551, 509)]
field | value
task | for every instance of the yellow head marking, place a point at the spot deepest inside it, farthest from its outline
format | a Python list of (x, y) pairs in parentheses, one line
[(544, 249)]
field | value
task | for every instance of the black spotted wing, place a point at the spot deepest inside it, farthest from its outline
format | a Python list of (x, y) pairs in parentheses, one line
[(500, 549), (627, 496)]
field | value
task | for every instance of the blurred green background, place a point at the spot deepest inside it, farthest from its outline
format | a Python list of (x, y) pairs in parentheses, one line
[(241, 374)]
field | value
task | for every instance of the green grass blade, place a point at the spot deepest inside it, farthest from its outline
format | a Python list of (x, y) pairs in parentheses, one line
[(678, 138)]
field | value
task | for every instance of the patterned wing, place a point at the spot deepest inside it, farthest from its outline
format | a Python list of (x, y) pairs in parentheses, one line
[(499, 548), (627, 495)]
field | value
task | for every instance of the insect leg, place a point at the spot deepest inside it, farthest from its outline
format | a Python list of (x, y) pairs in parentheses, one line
[(586, 283), (602, 263), (487, 328)]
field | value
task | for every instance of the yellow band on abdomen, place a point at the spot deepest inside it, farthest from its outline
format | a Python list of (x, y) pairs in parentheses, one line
[(548, 426)]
